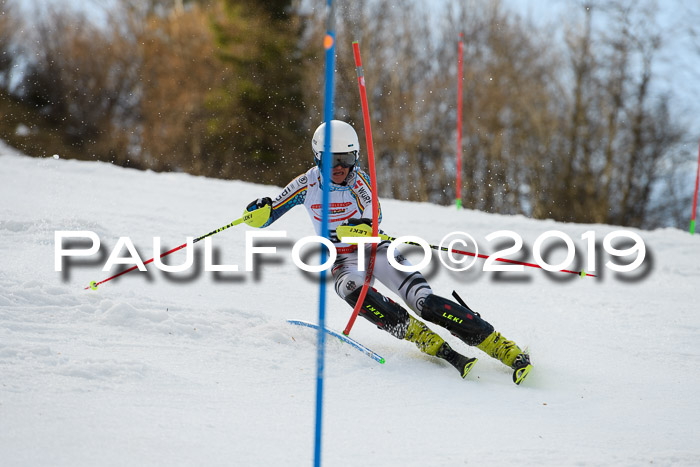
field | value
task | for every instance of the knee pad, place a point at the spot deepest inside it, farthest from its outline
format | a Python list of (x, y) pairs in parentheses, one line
[(381, 311), (459, 320)]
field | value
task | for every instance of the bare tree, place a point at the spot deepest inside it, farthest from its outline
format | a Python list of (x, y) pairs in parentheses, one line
[(576, 133), (179, 69), (619, 130)]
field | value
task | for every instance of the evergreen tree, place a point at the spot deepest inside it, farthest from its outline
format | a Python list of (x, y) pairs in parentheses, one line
[(257, 131)]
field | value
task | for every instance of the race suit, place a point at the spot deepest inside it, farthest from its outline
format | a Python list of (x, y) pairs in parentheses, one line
[(351, 200)]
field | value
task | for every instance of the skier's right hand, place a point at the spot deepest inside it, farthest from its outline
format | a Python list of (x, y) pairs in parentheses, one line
[(259, 203), (257, 213), (355, 221)]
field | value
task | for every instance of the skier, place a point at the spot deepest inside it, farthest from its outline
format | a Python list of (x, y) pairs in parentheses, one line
[(350, 198)]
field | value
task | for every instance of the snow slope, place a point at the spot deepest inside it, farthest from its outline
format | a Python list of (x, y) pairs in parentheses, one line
[(201, 368)]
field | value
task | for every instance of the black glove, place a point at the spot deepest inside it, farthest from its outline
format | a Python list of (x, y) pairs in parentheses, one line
[(354, 221), (258, 203)]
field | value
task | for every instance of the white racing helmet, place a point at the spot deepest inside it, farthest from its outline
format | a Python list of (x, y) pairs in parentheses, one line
[(345, 146)]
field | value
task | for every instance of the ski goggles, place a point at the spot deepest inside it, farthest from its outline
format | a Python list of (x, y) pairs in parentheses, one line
[(346, 160)]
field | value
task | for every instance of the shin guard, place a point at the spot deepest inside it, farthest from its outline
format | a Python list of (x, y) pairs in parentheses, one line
[(382, 312), (459, 320)]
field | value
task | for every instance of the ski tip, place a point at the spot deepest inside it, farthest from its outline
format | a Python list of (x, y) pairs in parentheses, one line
[(468, 367), (520, 374)]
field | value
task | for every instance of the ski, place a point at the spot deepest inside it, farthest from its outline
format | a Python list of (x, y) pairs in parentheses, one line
[(519, 374), (371, 354)]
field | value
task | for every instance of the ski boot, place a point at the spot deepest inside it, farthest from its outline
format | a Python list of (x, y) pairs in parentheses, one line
[(432, 344), (394, 319), (509, 353), (468, 326)]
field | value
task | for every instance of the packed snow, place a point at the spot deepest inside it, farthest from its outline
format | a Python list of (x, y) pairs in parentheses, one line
[(202, 368)]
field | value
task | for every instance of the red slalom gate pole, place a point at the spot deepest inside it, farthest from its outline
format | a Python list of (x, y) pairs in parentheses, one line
[(695, 198), (459, 124), (373, 181)]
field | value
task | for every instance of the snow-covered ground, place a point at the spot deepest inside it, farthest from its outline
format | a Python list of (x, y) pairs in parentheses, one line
[(201, 368)]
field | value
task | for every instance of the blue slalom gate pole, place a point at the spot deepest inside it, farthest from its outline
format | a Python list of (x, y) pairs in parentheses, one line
[(329, 46)]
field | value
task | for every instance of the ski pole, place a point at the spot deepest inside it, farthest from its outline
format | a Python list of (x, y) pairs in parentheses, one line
[(345, 231), (256, 216), (373, 182)]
